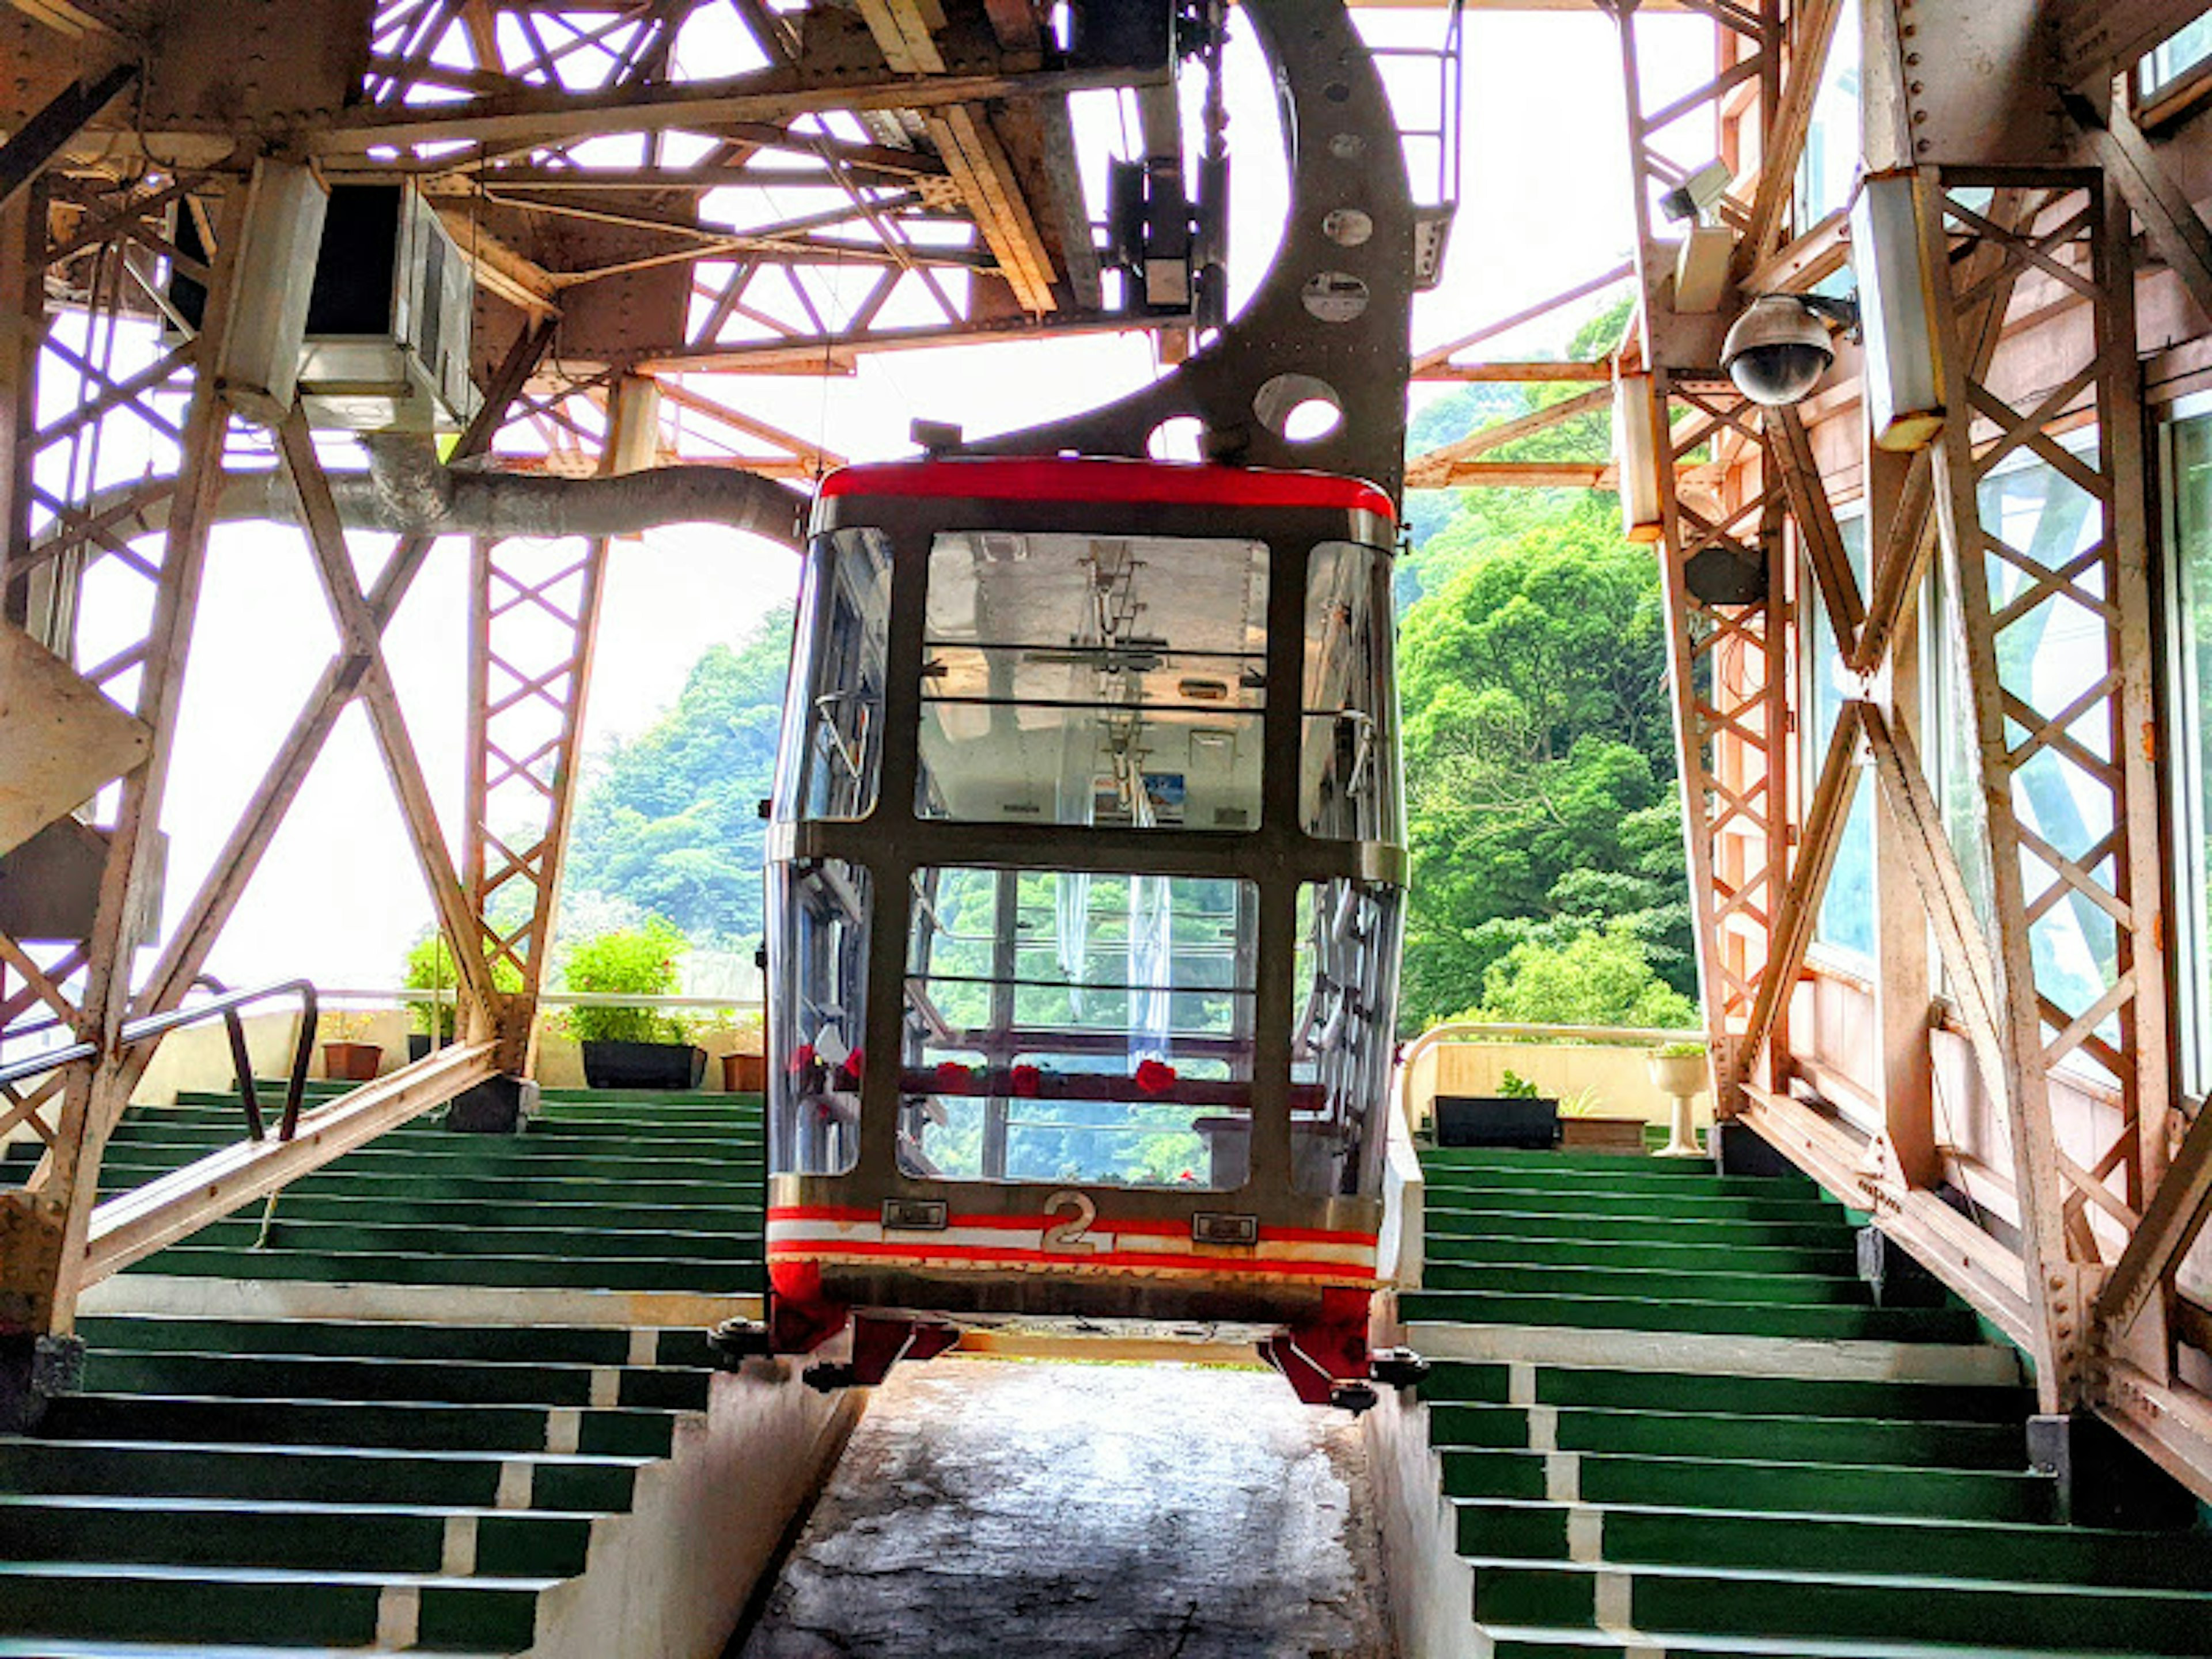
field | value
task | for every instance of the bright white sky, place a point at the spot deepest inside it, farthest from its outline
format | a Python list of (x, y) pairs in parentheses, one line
[(1544, 205)]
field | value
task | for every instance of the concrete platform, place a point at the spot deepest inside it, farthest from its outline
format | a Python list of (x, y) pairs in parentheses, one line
[(988, 1510)]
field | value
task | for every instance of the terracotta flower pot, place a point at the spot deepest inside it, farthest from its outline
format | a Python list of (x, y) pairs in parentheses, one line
[(745, 1074), (351, 1062)]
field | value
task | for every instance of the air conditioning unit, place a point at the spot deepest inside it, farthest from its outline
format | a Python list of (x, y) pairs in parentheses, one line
[(386, 345), (388, 324)]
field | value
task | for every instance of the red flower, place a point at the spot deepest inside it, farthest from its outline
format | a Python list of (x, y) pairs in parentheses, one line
[(1028, 1081), (953, 1077), (851, 1066), (1155, 1076), (1188, 1175), (801, 1058)]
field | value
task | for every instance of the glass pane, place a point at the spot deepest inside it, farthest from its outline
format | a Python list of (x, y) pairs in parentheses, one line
[(1108, 681), (831, 751), (2183, 51), (1348, 766), (1829, 167), (818, 919), (1065, 1026), (2192, 658), (1846, 918), (2049, 655), (1344, 985)]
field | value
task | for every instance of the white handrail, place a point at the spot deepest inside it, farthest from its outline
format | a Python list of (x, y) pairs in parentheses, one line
[(1461, 1030), (396, 997)]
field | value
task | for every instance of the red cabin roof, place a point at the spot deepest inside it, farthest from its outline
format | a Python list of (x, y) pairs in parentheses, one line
[(1058, 478)]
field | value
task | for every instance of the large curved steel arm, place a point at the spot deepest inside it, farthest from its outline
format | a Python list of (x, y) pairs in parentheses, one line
[(1350, 226)]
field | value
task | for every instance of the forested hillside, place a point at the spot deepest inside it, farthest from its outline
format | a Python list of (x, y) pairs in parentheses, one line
[(1544, 825)]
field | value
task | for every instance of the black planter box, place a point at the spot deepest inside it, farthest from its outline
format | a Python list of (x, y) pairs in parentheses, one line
[(643, 1064), (1497, 1121)]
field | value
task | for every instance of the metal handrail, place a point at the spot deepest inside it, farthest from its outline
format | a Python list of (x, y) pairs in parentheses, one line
[(227, 1005)]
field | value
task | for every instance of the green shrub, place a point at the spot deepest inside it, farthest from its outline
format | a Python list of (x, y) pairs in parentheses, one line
[(1513, 1087), (430, 968), (635, 961), (1692, 1049), (1600, 977)]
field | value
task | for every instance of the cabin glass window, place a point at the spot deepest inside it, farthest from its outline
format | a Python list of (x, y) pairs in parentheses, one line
[(2190, 655), (1845, 924), (832, 748), (1078, 1027), (1348, 760), (819, 918), (1102, 681), (1344, 989)]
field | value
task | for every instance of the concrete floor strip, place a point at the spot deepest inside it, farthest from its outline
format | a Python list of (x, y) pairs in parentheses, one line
[(399, 1615), (516, 1479), (1563, 1477), (1543, 1428), (1705, 1353), (1585, 1534), (564, 1431), (458, 1558), (1615, 1596)]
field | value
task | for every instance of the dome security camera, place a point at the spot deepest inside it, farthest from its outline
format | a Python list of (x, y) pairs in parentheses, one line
[(1777, 351)]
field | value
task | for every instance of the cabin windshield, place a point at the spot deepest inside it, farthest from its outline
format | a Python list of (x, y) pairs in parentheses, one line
[(1079, 1027), (1104, 681)]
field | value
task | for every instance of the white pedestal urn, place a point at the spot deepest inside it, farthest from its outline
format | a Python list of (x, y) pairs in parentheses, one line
[(1681, 1078)]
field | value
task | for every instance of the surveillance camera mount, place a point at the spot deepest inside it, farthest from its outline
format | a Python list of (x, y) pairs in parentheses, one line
[(1841, 310)]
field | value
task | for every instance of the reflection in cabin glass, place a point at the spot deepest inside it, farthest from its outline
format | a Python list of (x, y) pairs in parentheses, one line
[(1347, 773), (1344, 989), (832, 747), (1110, 681), (818, 914), (1087, 1028)]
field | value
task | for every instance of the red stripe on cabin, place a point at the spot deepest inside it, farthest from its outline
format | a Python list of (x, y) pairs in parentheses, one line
[(920, 1256), (1059, 478), (1147, 1229)]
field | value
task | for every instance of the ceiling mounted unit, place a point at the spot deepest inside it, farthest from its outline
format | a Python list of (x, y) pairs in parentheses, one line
[(388, 344)]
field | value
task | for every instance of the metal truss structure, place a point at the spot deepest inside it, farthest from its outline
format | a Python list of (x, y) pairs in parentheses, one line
[(2066, 1217), (618, 213)]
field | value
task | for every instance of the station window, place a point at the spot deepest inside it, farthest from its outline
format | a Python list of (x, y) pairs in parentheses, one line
[(2189, 657), (2054, 653), (1827, 168), (1068, 1026), (818, 917), (1845, 926), (2183, 57), (1342, 1041), (1105, 681), (832, 745), (1348, 761)]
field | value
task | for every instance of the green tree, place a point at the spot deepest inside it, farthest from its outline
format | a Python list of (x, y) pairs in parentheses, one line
[(1538, 752), (670, 820), (1599, 977)]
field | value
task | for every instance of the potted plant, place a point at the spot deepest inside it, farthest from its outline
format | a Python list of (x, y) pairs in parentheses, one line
[(744, 1071), (1516, 1115), (430, 968), (346, 1058), (632, 1048), (1678, 1071)]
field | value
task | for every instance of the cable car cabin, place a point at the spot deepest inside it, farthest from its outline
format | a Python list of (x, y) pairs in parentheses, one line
[(1085, 885)]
